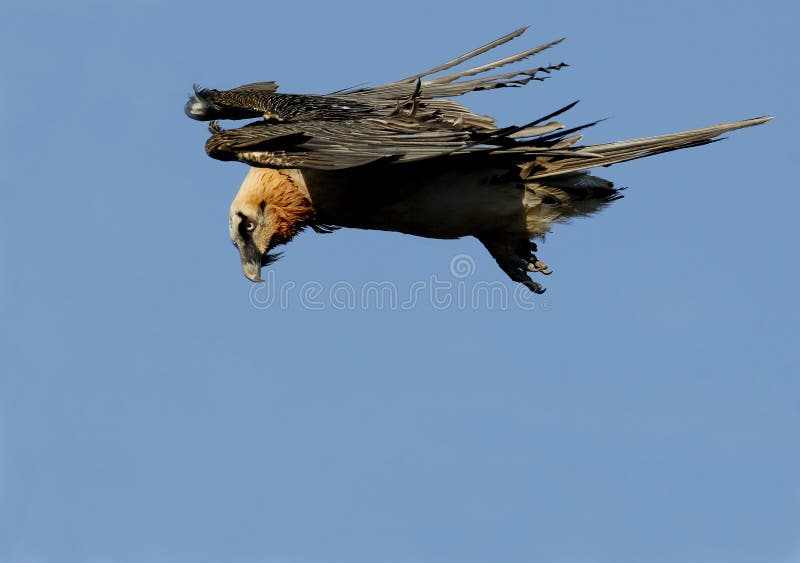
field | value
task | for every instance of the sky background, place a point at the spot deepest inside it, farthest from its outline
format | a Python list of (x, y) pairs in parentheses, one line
[(153, 409)]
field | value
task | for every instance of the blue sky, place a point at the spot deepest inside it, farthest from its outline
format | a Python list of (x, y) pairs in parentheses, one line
[(646, 408)]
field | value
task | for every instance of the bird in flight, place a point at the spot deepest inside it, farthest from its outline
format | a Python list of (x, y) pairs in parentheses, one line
[(405, 157)]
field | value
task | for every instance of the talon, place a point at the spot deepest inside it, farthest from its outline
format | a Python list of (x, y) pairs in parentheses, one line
[(534, 287), (534, 248), (214, 127)]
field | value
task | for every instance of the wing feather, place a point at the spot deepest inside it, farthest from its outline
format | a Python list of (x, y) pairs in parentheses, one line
[(465, 57), (493, 65), (330, 145), (413, 119)]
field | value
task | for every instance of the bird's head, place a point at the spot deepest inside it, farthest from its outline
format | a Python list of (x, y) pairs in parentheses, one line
[(253, 232), (269, 210), (201, 106)]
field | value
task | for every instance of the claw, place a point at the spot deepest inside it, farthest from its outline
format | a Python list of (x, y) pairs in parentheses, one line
[(214, 127), (517, 260), (534, 287)]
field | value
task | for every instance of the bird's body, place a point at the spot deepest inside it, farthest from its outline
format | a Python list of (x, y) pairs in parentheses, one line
[(398, 157), (414, 202)]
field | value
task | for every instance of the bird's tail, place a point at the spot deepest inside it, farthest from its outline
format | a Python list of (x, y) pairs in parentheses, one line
[(557, 184), (555, 155)]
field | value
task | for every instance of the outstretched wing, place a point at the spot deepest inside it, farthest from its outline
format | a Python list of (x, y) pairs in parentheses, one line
[(413, 119), (405, 120), (330, 145)]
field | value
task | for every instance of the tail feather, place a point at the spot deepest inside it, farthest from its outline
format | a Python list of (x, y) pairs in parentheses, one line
[(591, 156)]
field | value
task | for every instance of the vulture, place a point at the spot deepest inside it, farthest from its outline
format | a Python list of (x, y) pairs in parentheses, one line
[(406, 157)]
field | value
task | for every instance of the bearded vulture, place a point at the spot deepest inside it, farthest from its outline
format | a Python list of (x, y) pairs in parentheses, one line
[(405, 157)]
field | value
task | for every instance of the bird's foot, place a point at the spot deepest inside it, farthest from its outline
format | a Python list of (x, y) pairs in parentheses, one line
[(517, 259), (517, 269), (536, 265)]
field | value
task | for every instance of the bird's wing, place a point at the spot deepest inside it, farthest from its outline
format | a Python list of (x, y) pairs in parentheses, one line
[(404, 120), (407, 120), (331, 145), (449, 85)]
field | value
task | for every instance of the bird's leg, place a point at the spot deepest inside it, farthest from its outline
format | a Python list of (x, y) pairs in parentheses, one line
[(516, 259), (516, 270)]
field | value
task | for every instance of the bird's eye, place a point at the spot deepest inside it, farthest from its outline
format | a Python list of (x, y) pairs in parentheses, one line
[(249, 226)]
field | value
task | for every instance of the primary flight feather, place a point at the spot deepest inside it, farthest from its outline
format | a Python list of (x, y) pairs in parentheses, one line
[(404, 157)]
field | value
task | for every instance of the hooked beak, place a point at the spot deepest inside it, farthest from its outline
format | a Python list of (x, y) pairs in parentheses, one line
[(251, 263), (252, 271)]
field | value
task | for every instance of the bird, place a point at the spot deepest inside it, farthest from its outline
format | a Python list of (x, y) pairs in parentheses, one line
[(406, 157)]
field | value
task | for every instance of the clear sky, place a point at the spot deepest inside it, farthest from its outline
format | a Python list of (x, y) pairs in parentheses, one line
[(154, 410)]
